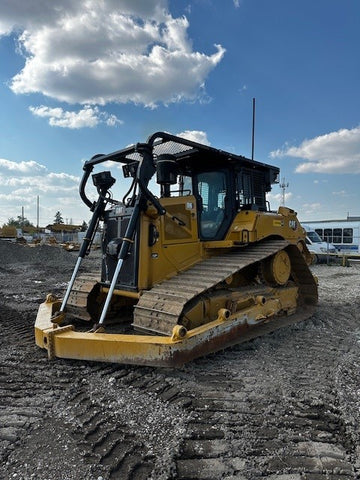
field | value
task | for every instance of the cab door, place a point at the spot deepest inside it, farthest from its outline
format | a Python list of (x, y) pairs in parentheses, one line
[(214, 191)]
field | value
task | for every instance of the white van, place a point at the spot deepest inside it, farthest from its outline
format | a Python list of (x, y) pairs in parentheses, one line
[(319, 249)]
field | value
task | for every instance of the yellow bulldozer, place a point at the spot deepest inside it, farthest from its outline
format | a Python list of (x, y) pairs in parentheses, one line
[(202, 265)]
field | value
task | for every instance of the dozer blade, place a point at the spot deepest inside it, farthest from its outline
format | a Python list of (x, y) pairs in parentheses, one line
[(258, 315), (174, 351)]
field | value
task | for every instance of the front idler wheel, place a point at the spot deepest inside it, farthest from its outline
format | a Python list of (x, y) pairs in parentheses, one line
[(276, 270)]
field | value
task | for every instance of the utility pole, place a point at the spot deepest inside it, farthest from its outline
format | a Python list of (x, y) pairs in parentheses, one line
[(253, 130), (37, 213), (283, 187)]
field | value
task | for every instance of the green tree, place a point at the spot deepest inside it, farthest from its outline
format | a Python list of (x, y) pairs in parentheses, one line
[(11, 222), (84, 226), (58, 218), (19, 223)]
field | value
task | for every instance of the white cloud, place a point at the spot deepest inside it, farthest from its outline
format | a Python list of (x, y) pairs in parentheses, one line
[(22, 182), (112, 120), (343, 194), (92, 52), (276, 199), (32, 14), (335, 152), (311, 208), (31, 176), (87, 117), (18, 14), (21, 168), (195, 136)]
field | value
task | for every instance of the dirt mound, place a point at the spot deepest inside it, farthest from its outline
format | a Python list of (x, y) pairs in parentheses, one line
[(13, 253)]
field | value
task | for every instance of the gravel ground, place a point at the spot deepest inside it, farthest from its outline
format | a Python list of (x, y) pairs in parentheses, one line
[(282, 407)]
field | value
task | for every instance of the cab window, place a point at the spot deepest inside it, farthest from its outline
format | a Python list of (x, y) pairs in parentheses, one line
[(211, 187)]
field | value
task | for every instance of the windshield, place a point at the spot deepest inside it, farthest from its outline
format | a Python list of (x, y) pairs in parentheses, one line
[(314, 237)]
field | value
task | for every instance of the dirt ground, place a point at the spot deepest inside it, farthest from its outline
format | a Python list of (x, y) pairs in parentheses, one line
[(282, 407)]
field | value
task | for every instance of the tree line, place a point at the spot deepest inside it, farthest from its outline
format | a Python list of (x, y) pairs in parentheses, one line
[(21, 222)]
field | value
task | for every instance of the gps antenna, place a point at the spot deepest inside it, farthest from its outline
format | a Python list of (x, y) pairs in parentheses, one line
[(253, 129)]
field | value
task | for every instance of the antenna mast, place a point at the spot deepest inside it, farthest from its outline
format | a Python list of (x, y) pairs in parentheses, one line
[(253, 130), (283, 187)]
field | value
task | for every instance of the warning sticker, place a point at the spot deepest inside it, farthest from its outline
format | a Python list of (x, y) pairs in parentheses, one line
[(278, 223)]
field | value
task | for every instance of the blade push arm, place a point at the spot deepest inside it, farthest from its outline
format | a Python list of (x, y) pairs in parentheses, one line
[(103, 181), (145, 171)]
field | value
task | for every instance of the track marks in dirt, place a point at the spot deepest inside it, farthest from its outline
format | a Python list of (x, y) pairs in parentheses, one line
[(24, 380), (109, 421), (284, 407), (127, 420), (17, 410), (272, 408)]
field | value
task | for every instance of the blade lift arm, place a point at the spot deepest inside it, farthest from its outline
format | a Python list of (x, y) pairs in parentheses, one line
[(144, 173), (103, 182)]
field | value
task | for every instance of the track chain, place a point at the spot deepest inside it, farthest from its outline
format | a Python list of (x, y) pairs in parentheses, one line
[(160, 308), (78, 300)]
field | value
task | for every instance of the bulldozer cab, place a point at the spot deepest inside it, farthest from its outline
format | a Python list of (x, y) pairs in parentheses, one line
[(202, 189), (224, 191)]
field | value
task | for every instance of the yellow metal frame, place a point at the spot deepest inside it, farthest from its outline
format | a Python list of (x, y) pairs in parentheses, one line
[(175, 350)]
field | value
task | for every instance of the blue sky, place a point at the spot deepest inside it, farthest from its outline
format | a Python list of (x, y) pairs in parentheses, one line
[(94, 76)]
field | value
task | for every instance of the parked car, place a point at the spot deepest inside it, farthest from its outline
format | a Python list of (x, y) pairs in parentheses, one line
[(320, 250)]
